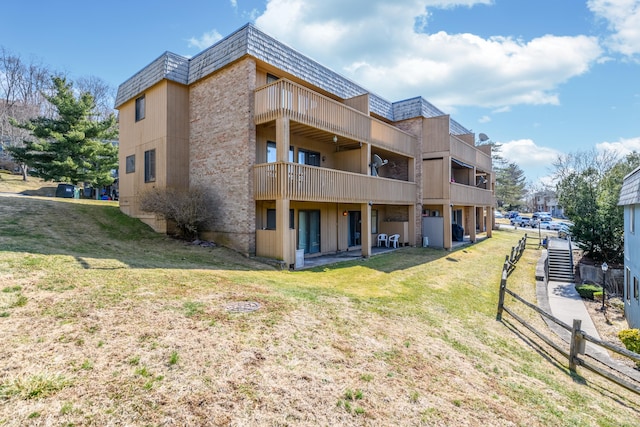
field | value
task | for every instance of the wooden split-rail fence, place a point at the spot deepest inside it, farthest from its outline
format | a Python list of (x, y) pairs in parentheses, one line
[(579, 338)]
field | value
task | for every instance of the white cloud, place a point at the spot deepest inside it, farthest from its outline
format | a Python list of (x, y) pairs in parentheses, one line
[(375, 43), (532, 159), (623, 147), (205, 40), (623, 19)]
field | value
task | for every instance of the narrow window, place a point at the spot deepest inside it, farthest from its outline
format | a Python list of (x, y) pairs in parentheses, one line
[(271, 78), (271, 219), (150, 166), (374, 221), (140, 108), (632, 219), (272, 153), (130, 164), (628, 283), (636, 292)]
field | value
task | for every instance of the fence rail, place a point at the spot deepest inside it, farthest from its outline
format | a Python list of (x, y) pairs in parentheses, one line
[(579, 338)]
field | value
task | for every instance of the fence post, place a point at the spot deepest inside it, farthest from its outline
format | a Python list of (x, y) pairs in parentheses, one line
[(503, 287), (577, 344)]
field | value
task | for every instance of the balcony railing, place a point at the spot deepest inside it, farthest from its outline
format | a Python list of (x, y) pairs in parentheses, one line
[(467, 195), (284, 98), (310, 183), (469, 154)]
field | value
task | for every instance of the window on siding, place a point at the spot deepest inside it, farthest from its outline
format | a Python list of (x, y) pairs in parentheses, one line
[(271, 219), (636, 292), (628, 283), (271, 78), (632, 219), (150, 166), (140, 108), (130, 164), (271, 152)]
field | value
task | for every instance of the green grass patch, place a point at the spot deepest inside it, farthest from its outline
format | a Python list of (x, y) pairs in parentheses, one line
[(34, 386)]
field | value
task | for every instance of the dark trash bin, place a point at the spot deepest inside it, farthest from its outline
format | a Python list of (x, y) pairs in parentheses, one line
[(457, 232), (68, 191)]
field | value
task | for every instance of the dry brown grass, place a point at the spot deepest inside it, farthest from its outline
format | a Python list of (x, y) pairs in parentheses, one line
[(119, 326)]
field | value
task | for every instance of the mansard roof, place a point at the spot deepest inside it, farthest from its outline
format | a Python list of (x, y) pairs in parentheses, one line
[(249, 40), (630, 191)]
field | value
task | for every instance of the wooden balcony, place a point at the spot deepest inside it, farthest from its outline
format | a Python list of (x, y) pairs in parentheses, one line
[(467, 195), (287, 99), (310, 183), (464, 152)]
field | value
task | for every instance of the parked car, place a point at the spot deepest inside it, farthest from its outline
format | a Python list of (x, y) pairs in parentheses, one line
[(543, 225), (564, 231), (520, 221), (541, 216)]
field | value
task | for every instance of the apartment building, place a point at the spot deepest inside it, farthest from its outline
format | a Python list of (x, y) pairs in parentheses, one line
[(630, 200), (298, 159)]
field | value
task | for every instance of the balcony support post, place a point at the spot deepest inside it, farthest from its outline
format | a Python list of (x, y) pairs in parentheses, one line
[(448, 237), (284, 249), (491, 220), (365, 229), (282, 139), (472, 210), (365, 159)]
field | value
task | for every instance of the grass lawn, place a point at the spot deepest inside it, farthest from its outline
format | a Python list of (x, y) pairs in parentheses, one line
[(104, 322)]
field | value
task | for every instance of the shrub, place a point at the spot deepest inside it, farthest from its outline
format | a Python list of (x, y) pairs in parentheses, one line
[(189, 209), (631, 339), (588, 290)]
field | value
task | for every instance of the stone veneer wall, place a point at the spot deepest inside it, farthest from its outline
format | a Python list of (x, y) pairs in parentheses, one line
[(223, 151)]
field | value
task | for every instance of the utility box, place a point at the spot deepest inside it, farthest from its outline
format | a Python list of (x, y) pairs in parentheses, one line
[(299, 259), (425, 242)]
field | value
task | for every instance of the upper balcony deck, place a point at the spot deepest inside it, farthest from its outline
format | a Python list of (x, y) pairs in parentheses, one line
[(284, 98)]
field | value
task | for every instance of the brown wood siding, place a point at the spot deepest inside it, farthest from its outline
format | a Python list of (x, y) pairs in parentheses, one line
[(136, 138), (433, 173), (177, 136)]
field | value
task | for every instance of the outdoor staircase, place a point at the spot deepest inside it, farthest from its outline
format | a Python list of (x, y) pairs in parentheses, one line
[(560, 261)]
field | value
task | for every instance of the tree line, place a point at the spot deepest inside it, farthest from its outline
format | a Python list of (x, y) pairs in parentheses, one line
[(54, 128)]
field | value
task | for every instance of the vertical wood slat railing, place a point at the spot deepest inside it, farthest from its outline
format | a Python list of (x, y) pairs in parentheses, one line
[(284, 98), (310, 183), (579, 338)]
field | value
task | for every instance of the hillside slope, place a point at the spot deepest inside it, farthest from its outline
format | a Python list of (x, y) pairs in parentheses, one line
[(104, 322)]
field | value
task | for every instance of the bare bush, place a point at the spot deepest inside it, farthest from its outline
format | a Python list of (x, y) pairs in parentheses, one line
[(188, 209)]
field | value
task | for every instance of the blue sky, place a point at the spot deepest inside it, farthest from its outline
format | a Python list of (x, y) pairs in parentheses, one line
[(540, 77)]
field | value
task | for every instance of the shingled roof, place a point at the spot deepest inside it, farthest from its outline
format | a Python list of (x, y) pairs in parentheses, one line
[(630, 191), (249, 40)]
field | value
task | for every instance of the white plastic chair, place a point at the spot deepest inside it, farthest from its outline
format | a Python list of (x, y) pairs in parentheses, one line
[(393, 240), (382, 240)]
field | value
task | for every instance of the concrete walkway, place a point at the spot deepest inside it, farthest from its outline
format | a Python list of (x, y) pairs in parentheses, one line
[(562, 301)]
